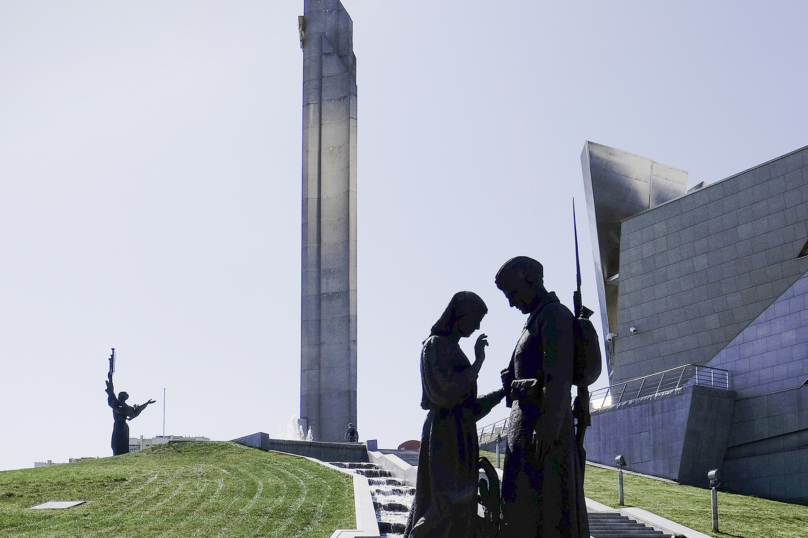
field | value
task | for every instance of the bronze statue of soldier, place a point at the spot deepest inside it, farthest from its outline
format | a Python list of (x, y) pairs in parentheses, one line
[(121, 412), (542, 485)]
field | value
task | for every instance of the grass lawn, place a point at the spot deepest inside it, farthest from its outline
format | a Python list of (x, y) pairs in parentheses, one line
[(739, 516), (492, 457), (182, 489)]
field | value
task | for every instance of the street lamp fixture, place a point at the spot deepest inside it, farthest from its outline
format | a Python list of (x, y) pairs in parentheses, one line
[(620, 462)]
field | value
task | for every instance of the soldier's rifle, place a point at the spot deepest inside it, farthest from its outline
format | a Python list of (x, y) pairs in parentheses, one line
[(112, 363), (581, 413)]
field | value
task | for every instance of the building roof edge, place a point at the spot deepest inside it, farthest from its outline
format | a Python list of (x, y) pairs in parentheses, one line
[(713, 184)]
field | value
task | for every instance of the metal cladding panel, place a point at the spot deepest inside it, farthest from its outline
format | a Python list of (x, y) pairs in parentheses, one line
[(623, 185), (667, 183), (696, 271), (619, 185), (778, 340)]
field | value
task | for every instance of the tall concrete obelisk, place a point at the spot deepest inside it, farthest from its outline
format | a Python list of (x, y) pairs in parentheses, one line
[(328, 304)]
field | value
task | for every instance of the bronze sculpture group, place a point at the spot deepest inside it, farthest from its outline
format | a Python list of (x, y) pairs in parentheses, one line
[(542, 486), (541, 493)]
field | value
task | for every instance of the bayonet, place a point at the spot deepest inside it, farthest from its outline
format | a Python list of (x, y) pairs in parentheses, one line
[(581, 311), (576, 297)]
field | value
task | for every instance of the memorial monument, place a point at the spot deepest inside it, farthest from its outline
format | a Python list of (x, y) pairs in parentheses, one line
[(121, 412), (328, 270)]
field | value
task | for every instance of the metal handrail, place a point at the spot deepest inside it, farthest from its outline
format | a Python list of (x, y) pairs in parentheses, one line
[(489, 432), (687, 374)]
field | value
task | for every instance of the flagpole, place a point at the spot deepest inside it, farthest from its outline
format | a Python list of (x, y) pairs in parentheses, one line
[(164, 412)]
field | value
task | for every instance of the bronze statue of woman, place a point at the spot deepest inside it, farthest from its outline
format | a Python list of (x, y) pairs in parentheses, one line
[(121, 412), (445, 504)]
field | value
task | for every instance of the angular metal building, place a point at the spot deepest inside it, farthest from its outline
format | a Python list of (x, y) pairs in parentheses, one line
[(328, 272), (619, 185), (705, 295)]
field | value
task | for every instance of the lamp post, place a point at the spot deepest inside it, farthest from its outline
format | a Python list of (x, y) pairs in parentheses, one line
[(620, 461), (715, 483)]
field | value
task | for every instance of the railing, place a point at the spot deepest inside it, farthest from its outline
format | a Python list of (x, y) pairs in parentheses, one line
[(640, 387), (490, 432)]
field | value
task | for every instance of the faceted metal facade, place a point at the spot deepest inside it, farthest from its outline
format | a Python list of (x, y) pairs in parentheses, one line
[(715, 277), (694, 272), (619, 185)]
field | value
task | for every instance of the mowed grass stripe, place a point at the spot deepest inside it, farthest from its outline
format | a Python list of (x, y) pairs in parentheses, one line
[(294, 484), (204, 529), (206, 519), (245, 510), (179, 525), (197, 516), (144, 504), (18, 522), (140, 505), (229, 515), (37, 528), (318, 506), (277, 491), (203, 489)]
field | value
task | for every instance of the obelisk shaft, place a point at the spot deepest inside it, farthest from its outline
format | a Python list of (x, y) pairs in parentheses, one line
[(328, 273)]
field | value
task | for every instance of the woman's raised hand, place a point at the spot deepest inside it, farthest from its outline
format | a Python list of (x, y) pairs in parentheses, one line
[(479, 347)]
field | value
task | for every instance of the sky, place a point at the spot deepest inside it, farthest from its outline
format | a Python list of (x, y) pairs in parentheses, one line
[(150, 187)]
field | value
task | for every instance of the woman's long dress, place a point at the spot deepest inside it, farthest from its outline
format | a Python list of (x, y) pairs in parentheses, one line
[(445, 504), (121, 412), (120, 431)]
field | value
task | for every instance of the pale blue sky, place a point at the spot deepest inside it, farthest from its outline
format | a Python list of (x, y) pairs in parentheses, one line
[(150, 186)]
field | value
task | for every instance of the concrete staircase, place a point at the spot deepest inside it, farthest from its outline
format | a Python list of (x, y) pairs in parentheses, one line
[(614, 525), (392, 497)]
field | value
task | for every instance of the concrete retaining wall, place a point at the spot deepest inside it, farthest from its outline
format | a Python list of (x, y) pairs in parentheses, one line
[(680, 435), (398, 468), (343, 452)]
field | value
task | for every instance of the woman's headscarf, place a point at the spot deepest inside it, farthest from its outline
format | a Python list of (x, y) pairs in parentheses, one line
[(463, 303)]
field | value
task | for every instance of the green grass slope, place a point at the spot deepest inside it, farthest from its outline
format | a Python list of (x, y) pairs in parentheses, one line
[(739, 516), (183, 489)]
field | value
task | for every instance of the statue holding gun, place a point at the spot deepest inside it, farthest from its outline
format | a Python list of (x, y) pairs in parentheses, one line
[(121, 412)]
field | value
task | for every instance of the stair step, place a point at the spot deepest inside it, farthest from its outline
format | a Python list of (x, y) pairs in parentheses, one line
[(388, 527), (373, 473), (353, 465), (395, 490), (614, 525), (391, 507), (386, 482)]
